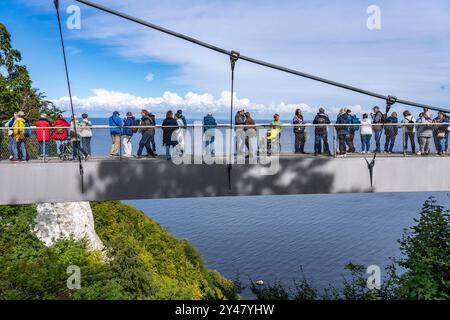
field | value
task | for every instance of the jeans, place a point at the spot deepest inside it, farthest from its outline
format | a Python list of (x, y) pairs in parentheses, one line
[(342, 144), (209, 144), (437, 144), (44, 148), (378, 139), (21, 146), (350, 142), (409, 135), (300, 140), (86, 144), (442, 145), (146, 142), (365, 142), (12, 147), (58, 144), (447, 133), (240, 141), (389, 144), (318, 138), (168, 154)]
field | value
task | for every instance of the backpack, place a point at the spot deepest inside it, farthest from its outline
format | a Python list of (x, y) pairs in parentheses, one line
[(136, 124), (27, 130)]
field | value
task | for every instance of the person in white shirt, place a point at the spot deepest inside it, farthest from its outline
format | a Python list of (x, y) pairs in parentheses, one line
[(366, 133)]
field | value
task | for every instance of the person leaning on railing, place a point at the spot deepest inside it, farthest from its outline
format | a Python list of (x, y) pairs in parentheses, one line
[(86, 133), (127, 134), (115, 129), (169, 125), (425, 132), (366, 133), (209, 130), (377, 119), (60, 133), (148, 133), (440, 132), (391, 132), (250, 135)]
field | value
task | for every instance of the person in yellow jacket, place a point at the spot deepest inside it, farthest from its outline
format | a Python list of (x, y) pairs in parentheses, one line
[(20, 135), (274, 134)]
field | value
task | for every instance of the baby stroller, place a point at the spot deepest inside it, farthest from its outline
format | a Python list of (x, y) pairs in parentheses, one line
[(66, 151)]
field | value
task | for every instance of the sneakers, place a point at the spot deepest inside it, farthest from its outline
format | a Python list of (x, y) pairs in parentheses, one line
[(419, 153)]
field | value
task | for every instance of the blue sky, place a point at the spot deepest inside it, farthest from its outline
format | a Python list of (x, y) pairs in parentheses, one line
[(110, 59)]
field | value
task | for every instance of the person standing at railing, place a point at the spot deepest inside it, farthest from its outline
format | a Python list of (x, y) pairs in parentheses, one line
[(148, 132), (60, 133), (179, 135), (75, 139), (351, 131), (86, 133), (239, 120), (115, 124), (21, 133), (169, 125), (410, 129), (440, 132), (299, 132), (377, 119), (127, 134), (180, 115), (343, 120), (425, 132), (366, 133), (43, 133), (250, 135), (391, 132), (209, 131), (12, 145), (321, 133)]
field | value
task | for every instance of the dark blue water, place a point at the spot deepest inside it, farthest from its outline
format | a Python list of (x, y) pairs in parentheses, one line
[(269, 238)]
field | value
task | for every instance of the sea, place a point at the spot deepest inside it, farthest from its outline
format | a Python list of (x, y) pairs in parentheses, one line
[(283, 238)]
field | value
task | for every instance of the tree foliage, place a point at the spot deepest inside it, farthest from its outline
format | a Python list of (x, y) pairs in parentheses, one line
[(16, 90)]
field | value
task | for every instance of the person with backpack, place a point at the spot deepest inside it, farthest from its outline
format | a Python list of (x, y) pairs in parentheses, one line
[(343, 120), (377, 121), (410, 130), (209, 131), (43, 134), (366, 133), (20, 135), (180, 115), (127, 133), (179, 133), (86, 133), (299, 132), (115, 124), (351, 131), (148, 132), (169, 125), (60, 131), (440, 132), (321, 133), (391, 132), (75, 139)]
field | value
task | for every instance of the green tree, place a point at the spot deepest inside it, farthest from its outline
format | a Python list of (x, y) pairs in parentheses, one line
[(426, 251), (16, 91)]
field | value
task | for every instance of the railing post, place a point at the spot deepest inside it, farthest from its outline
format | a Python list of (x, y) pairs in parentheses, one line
[(334, 142), (192, 143), (44, 149)]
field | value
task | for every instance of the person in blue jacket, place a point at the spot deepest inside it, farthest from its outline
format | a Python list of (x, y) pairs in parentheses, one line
[(209, 129), (352, 130), (343, 131), (127, 134), (115, 124), (391, 131)]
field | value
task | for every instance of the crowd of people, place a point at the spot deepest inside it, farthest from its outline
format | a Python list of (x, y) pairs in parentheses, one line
[(419, 134)]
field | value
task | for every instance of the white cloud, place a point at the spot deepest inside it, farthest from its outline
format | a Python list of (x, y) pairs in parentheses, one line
[(150, 77), (107, 101)]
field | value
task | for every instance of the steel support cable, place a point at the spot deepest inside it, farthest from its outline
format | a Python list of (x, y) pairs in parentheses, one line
[(256, 61), (80, 165), (234, 57)]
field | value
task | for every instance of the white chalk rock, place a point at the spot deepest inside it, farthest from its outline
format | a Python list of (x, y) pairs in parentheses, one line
[(56, 221)]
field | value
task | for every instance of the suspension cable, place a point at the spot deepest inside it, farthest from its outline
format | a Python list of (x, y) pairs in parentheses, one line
[(257, 61), (234, 57), (80, 165)]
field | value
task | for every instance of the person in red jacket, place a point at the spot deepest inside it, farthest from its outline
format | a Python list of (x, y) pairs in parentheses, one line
[(60, 131), (43, 135)]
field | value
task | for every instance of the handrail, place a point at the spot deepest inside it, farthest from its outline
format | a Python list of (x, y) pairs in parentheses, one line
[(262, 125)]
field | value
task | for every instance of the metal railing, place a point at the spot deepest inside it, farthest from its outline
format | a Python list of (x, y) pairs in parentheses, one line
[(193, 139)]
